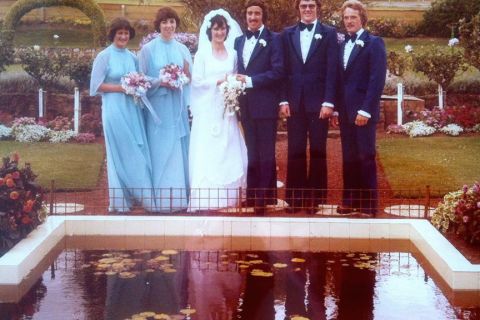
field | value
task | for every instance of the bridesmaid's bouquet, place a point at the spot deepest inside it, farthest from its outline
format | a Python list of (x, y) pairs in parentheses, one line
[(174, 75), (136, 84), (231, 90)]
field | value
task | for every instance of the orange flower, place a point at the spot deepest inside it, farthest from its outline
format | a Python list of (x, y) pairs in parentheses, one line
[(10, 183), (16, 175), (27, 209), (14, 195)]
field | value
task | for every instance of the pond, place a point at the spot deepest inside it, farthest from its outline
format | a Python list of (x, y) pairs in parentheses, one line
[(234, 284)]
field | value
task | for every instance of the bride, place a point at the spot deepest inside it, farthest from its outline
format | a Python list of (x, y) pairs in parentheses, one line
[(217, 155)]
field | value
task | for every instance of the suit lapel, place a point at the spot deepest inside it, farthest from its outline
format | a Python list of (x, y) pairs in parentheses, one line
[(357, 49), (295, 40), (258, 46), (241, 45), (315, 42)]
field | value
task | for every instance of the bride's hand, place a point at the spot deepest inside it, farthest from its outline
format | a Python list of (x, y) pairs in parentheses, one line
[(220, 81)]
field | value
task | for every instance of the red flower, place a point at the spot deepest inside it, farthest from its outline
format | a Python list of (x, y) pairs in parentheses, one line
[(14, 195), (10, 183), (16, 175), (26, 220), (2, 182)]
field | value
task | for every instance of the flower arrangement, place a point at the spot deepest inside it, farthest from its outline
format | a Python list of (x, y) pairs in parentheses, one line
[(61, 136), (460, 212), (21, 200), (173, 75), (231, 90), (136, 85)]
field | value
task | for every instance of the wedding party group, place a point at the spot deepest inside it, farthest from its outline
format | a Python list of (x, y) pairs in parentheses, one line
[(235, 89)]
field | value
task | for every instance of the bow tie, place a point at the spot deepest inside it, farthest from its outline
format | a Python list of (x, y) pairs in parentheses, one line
[(250, 34), (304, 26), (352, 37)]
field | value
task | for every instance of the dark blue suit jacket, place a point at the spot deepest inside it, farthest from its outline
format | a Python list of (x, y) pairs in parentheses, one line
[(266, 70), (315, 79), (362, 82)]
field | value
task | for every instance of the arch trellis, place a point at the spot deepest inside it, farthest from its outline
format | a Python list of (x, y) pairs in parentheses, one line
[(89, 7)]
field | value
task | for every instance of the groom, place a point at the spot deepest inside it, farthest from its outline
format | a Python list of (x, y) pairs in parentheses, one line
[(260, 64), (310, 52)]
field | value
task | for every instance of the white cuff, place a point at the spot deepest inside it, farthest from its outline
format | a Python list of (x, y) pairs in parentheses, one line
[(364, 113), (248, 82), (328, 104), (283, 103)]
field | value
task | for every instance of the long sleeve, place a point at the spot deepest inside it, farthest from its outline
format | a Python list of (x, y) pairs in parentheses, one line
[(275, 73), (376, 81), (99, 72), (203, 87)]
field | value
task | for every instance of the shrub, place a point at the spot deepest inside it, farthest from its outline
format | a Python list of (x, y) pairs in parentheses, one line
[(439, 64), (21, 202), (470, 36), (444, 15), (6, 52), (45, 67), (460, 212), (281, 12), (397, 63), (60, 123), (91, 124), (78, 69), (5, 132), (466, 117), (85, 138)]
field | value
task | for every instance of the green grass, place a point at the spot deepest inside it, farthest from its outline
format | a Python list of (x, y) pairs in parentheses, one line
[(72, 166), (444, 163)]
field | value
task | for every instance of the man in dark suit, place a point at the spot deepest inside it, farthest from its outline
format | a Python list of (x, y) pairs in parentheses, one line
[(362, 78), (310, 54), (260, 64)]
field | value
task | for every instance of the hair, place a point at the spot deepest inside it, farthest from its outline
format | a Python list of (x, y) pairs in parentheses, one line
[(358, 6), (220, 21), (163, 14), (262, 5), (297, 3), (120, 24)]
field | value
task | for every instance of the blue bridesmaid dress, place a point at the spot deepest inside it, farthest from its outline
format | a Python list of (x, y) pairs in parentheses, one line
[(168, 139), (128, 155)]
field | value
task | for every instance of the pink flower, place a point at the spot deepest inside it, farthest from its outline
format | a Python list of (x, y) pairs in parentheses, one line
[(478, 204), (465, 188), (465, 219)]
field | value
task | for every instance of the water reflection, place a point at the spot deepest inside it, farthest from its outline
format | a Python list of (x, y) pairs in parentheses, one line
[(223, 285)]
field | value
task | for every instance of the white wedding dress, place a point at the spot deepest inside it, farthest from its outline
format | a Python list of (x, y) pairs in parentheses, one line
[(217, 154)]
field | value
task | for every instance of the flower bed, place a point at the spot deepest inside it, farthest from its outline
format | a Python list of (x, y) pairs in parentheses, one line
[(21, 202)]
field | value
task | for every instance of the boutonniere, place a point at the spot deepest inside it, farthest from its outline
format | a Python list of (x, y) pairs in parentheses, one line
[(317, 36), (359, 43), (262, 42)]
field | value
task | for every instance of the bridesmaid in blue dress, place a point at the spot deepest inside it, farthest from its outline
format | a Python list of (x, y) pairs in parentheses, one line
[(128, 156), (168, 139)]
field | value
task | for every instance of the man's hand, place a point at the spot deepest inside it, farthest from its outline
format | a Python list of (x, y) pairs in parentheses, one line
[(326, 112), (361, 120), (284, 111), (242, 78)]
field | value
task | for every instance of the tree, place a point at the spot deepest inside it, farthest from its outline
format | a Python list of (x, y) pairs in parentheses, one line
[(470, 40)]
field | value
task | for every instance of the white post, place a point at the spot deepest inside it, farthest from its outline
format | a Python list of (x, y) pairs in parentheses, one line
[(123, 10), (399, 104), (40, 103), (440, 97), (76, 111)]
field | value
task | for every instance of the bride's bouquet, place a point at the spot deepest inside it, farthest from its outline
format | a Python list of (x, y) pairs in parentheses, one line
[(136, 84), (173, 75), (231, 89)]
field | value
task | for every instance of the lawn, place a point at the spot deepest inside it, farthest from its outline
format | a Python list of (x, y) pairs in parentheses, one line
[(444, 163), (72, 166)]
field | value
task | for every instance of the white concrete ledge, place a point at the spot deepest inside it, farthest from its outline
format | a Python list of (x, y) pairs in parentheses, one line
[(448, 262)]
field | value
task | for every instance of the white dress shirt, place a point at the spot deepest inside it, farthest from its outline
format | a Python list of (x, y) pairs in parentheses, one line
[(346, 55), (306, 37)]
